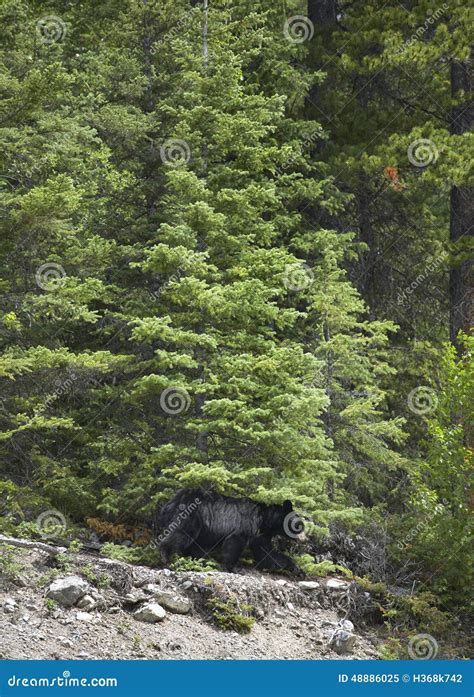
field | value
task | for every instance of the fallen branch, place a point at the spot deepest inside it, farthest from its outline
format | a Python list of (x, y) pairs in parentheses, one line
[(28, 544)]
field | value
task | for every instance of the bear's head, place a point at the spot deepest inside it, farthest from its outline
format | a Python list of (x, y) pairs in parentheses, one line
[(282, 520)]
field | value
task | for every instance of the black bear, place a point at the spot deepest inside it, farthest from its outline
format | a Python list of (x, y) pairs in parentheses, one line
[(270, 559), (198, 523)]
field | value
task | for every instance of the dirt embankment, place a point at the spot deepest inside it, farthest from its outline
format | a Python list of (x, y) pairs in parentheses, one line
[(81, 606)]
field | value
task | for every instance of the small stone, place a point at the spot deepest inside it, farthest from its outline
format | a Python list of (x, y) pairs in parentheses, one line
[(151, 587), (342, 642), (336, 584), (290, 607), (150, 612), (84, 617), (67, 591), (9, 605), (281, 582), (308, 585), (186, 584)]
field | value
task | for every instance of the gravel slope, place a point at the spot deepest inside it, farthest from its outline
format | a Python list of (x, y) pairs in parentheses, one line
[(291, 622)]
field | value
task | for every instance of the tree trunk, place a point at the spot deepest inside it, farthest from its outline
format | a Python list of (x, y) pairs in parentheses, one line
[(461, 291)]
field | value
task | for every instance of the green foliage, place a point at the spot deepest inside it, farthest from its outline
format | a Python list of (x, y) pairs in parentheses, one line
[(323, 568), (50, 605), (148, 555), (191, 564), (10, 567), (254, 315), (75, 546), (376, 589), (99, 580), (438, 528), (420, 612), (177, 280), (64, 563), (231, 615), (391, 650)]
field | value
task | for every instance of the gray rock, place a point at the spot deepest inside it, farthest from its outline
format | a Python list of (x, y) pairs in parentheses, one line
[(341, 641), (136, 596), (68, 590), (308, 585), (186, 584), (171, 601), (9, 605), (150, 612)]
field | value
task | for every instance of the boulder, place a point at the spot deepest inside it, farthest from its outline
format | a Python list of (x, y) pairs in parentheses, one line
[(171, 601), (68, 590), (150, 612)]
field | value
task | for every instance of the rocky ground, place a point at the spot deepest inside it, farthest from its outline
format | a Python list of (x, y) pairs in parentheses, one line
[(80, 606)]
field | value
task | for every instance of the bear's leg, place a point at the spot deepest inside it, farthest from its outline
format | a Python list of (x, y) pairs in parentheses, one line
[(232, 548), (175, 543)]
